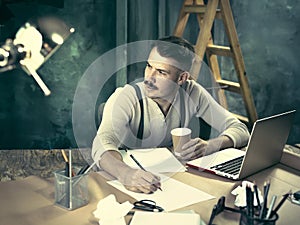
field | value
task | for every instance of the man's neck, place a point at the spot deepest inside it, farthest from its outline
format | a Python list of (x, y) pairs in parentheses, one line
[(164, 105)]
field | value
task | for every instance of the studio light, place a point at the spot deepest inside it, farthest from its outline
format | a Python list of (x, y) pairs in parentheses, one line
[(34, 43)]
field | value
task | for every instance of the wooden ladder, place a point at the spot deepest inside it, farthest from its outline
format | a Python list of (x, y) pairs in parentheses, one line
[(206, 15)]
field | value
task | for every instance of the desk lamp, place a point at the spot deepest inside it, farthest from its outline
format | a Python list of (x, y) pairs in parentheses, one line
[(33, 44)]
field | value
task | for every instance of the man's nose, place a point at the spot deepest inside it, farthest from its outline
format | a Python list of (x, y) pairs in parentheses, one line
[(152, 74)]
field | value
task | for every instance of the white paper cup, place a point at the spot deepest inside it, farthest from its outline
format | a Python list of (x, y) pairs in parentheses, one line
[(180, 136)]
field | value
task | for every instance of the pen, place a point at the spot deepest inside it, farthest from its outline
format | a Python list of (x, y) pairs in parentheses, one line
[(266, 192), (84, 172), (67, 169), (271, 206), (83, 169), (256, 195), (280, 203), (89, 168), (249, 199), (137, 162), (251, 195)]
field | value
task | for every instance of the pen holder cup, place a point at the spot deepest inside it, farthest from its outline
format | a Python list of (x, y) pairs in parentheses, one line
[(71, 192), (255, 220)]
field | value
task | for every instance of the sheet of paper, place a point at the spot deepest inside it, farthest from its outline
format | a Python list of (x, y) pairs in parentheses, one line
[(174, 194), (146, 218), (155, 160)]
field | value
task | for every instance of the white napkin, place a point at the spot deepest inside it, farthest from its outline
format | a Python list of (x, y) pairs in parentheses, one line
[(240, 192), (111, 212)]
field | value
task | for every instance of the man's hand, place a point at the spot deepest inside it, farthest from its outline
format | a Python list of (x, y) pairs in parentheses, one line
[(140, 181), (136, 180), (198, 147), (193, 149)]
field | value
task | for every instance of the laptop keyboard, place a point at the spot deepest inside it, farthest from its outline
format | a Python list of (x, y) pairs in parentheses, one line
[(232, 166)]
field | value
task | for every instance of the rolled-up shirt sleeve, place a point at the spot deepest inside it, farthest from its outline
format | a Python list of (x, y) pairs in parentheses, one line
[(118, 111), (237, 132), (220, 119)]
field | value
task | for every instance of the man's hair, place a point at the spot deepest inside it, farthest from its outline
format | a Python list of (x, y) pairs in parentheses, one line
[(176, 48)]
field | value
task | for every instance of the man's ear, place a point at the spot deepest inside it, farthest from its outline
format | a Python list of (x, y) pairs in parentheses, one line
[(183, 77)]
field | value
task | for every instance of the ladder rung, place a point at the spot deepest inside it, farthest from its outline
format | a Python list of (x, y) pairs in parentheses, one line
[(219, 50), (244, 119), (200, 9), (229, 86), (194, 8)]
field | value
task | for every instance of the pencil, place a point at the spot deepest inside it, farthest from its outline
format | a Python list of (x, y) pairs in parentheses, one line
[(67, 162), (64, 155), (271, 206), (137, 162), (139, 165)]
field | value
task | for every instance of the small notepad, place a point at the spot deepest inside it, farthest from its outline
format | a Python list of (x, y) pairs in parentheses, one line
[(158, 218)]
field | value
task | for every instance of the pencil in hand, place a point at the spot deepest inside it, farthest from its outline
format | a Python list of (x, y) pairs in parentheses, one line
[(139, 165)]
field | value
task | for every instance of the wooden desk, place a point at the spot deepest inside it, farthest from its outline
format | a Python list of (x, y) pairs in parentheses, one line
[(30, 201)]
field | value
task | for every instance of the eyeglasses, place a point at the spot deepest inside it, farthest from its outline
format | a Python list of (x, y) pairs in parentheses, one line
[(147, 205), (220, 207)]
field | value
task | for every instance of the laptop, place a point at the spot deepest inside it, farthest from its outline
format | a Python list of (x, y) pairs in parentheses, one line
[(265, 147)]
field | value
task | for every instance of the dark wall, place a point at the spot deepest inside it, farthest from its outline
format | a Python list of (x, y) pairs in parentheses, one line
[(29, 119), (268, 33)]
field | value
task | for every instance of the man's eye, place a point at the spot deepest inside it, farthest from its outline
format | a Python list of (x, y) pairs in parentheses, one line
[(148, 65), (162, 72)]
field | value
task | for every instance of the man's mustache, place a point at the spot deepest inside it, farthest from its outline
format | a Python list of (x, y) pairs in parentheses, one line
[(150, 84)]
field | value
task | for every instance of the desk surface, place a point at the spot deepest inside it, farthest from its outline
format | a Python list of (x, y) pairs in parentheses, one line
[(30, 201)]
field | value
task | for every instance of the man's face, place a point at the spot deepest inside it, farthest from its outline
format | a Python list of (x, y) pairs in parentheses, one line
[(161, 76)]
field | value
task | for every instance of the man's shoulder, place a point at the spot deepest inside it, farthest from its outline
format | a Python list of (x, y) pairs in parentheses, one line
[(126, 92), (192, 86), (126, 88)]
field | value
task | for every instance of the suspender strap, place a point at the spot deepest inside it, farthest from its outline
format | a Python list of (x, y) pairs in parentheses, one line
[(182, 105), (141, 125)]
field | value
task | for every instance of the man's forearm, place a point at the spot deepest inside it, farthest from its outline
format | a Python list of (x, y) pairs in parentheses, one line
[(112, 163), (219, 143)]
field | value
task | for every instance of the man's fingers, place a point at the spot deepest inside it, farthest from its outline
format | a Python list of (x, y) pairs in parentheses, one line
[(144, 181), (190, 143), (193, 149)]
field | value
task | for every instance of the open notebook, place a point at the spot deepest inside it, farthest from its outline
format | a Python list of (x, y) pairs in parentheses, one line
[(264, 149)]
